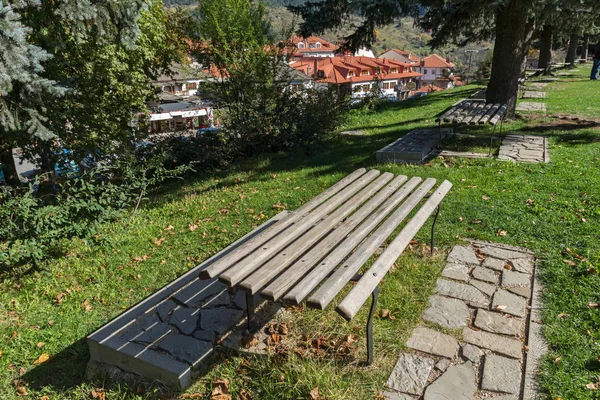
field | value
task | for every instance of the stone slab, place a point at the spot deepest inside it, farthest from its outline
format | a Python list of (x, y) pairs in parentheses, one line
[(484, 274), (497, 323), (484, 287), (433, 342), (529, 94), (165, 308), (220, 320), (493, 342), (186, 349), (521, 291), (502, 253), (457, 383), (387, 395), (353, 133), (513, 304), (447, 312), (471, 353), (459, 272), (539, 84), (494, 263), (501, 374), (185, 319), (463, 255), (462, 291), (443, 364), (410, 374), (524, 265), (515, 279)]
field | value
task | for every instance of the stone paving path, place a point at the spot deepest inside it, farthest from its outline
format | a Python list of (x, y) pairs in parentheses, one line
[(531, 106), (473, 343), (413, 147), (530, 94), (539, 84), (524, 148)]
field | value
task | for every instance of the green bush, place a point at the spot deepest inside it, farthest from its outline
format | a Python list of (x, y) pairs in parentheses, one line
[(35, 225)]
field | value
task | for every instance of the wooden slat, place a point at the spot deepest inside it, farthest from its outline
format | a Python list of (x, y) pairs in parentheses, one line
[(266, 250), (446, 113), (282, 255), (489, 114), (222, 264), (457, 111), (473, 113), (324, 266), (496, 118), (336, 282), (481, 113), (466, 112), (296, 271), (365, 286)]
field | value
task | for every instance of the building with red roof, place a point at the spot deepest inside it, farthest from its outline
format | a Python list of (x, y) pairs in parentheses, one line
[(436, 71), (402, 56), (360, 76), (312, 46)]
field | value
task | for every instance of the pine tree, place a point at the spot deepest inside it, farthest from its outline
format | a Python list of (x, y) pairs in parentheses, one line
[(37, 41)]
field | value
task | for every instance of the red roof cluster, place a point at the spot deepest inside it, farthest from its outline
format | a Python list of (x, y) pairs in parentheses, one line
[(351, 69), (312, 44), (435, 61)]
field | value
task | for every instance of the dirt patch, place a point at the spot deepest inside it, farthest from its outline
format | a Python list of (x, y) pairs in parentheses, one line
[(563, 122)]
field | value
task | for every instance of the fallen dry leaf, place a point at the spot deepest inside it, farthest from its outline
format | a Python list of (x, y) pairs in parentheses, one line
[(282, 329), (530, 202), (592, 305), (556, 360), (314, 394), (44, 398), (485, 198), (59, 298), (142, 258), (169, 228), (40, 345), (220, 388), (593, 385), (86, 306), (22, 371), (500, 307), (500, 232), (562, 315), (192, 227), (98, 394), (42, 359), (21, 391), (570, 263), (191, 396), (160, 241), (246, 395)]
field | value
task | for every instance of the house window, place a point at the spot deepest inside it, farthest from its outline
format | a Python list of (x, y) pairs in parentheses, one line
[(365, 72), (169, 89), (393, 70), (425, 71), (366, 88), (351, 73), (318, 45), (321, 74), (300, 45), (387, 85), (357, 89), (192, 86), (296, 87)]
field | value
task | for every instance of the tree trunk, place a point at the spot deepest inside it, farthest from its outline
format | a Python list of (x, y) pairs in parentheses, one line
[(513, 32), (572, 50), (584, 47), (8, 166), (545, 49)]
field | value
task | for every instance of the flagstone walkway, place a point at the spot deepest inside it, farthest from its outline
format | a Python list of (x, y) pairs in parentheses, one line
[(480, 336), (524, 148)]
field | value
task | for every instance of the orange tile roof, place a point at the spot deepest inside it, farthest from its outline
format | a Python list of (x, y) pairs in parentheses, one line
[(435, 61), (337, 69), (312, 40)]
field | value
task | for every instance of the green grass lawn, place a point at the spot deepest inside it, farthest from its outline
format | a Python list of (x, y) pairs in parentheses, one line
[(552, 209)]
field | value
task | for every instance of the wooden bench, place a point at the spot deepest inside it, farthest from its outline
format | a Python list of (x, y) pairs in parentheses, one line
[(312, 253), (474, 112)]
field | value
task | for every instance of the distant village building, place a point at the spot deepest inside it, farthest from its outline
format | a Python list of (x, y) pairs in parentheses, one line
[(402, 56), (360, 76), (436, 71), (312, 46), (179, 106)]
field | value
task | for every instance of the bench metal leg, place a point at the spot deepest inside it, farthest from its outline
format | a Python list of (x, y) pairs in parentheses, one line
[(432, 243), (374, 297)]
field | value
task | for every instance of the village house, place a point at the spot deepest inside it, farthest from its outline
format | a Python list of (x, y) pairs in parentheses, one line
[(436, 71), (360, 76), (312, 46), (402, 56)]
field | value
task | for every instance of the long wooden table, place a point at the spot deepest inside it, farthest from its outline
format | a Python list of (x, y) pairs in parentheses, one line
[(312, 253)]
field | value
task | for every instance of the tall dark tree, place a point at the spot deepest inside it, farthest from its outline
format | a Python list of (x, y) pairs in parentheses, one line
[(572, 49)]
